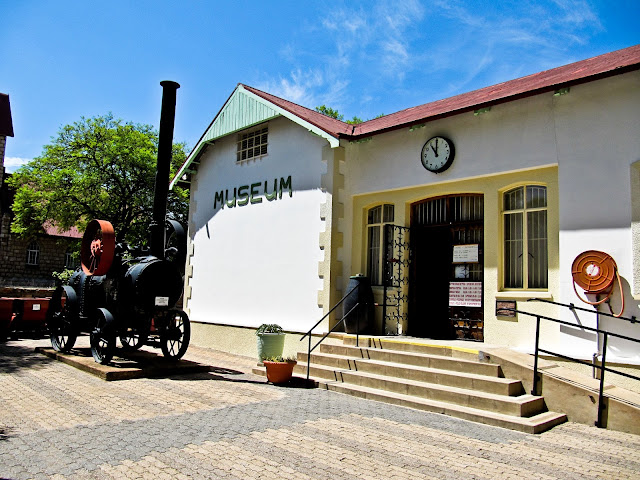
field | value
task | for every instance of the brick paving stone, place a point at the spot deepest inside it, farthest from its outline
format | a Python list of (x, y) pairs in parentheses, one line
[(59, 423)]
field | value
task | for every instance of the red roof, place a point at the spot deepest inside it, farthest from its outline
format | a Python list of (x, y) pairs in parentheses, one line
[(609, 64), (51, 229), (323, 122)]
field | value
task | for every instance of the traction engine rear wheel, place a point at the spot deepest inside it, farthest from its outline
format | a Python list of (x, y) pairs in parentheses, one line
[(103, 338), (174, 338), (62, 319), (132, 339)]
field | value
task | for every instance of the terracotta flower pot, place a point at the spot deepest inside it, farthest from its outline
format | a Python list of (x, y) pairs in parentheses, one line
[(279, 372)]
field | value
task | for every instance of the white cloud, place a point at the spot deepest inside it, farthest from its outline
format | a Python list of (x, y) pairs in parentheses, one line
[(11, 164), (299, 87), (355, 56)]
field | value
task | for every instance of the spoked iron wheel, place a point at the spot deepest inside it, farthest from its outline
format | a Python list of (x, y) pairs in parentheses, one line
[(62, 319), (174, 338), (103, 338), (132, 339)]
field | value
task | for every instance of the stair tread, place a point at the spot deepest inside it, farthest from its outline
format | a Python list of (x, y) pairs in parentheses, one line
[(446, 406), (404, 353), (443, 371), (465, 391)]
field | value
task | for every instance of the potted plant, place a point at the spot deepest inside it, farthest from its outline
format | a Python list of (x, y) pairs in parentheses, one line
[(279, 369), (270, 341)]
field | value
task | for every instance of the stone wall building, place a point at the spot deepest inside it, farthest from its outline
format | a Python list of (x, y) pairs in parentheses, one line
[(28, 262)]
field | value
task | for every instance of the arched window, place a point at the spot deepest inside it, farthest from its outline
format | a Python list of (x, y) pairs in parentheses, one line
[(377, 217), (525, 237), (33, 253)]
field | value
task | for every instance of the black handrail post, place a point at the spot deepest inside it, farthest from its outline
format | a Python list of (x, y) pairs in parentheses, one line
[(358, 326), (601, 406), (535, 359), (309, 356)]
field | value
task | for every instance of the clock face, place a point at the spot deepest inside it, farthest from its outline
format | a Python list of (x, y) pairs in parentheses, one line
[(437, 154)]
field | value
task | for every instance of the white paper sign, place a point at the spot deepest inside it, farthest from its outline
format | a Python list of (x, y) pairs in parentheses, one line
[(465, 253), (162, 301), (465, 294)]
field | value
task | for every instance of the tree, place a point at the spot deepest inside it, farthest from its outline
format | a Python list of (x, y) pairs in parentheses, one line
[(330, 112), (96, 168)]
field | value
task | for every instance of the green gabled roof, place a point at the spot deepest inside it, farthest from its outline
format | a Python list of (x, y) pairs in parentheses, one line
[(242, 110)]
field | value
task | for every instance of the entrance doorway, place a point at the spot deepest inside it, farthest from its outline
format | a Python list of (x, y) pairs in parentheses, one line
[(447, 268)]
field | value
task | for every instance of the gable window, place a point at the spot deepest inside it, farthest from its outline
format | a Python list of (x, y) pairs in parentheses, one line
[(33, 253), (377, 218), (252, 145), (525, 237)]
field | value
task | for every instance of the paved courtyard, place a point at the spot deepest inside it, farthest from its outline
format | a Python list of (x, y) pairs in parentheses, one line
[(61, 423)]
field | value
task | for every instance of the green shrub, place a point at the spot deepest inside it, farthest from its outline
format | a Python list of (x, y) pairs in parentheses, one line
[(269, 328)]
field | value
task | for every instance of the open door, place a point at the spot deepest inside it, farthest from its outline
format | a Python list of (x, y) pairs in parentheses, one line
[(447, 269)]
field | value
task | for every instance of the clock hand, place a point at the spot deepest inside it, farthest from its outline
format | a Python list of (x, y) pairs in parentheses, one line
[(435, 149)]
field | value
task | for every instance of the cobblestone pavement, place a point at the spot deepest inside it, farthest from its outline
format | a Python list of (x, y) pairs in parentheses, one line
[(60, 423)]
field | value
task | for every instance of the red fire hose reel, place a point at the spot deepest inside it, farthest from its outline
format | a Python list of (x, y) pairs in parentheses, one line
[(595, 272)]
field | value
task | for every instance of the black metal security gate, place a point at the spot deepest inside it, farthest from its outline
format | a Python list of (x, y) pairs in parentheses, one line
[(397, 258)]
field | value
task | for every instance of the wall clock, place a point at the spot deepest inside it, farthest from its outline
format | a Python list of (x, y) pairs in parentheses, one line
[(437, 154)]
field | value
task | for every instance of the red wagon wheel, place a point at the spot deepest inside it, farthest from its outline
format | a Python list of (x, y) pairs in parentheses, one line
[(98, 247)]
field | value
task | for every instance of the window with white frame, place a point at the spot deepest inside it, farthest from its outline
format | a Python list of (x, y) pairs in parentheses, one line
[(33, 253), (70, 259), (525, 237), (252, 145), (377, 218)]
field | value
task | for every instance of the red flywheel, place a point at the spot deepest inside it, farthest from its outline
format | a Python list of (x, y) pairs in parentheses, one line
[(98, 247)]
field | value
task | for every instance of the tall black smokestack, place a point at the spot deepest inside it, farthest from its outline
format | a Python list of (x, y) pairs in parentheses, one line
[(165, 143)]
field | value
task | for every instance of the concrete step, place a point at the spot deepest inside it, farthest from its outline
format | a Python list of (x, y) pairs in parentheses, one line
[(398, 344), (428, 360), (483, 383), (521, 406), (534, 424)]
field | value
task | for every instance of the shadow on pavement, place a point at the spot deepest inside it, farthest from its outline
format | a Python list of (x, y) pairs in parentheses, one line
[(18, 357)]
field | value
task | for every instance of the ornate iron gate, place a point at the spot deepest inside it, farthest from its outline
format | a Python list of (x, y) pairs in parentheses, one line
[(397, 258)]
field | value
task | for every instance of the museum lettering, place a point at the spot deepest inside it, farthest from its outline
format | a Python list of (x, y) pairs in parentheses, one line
[(253, 193)]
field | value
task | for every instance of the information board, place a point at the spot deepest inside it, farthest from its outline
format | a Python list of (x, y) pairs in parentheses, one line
[(465, 253), (465, 294)]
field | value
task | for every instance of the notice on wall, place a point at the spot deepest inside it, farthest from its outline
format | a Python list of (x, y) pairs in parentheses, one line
[(465, 294), (465, 253)]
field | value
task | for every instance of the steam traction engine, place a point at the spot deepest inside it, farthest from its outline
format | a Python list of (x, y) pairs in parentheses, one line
[(126, 293)]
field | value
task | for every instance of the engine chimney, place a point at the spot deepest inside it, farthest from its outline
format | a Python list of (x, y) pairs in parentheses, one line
[(165, 143)]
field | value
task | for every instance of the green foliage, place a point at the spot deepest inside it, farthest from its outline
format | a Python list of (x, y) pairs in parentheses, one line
[(281, 359), (98, 168), (63, 276), (329, 112), (269, 328)]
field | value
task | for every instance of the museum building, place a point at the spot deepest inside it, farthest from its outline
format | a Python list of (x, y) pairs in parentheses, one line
[(450, 209)]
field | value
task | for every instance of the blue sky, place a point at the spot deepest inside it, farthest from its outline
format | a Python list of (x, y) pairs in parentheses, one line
[(61, 60)]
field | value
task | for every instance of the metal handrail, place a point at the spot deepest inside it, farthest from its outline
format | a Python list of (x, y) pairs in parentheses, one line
[(602, 367), (308, 334), (571, 306)]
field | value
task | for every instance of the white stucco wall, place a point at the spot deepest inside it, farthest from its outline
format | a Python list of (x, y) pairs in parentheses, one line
[(598, 127), (590, 134), (258, 263)]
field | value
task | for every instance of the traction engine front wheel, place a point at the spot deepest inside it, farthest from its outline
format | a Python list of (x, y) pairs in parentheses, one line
[(175, 336)]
